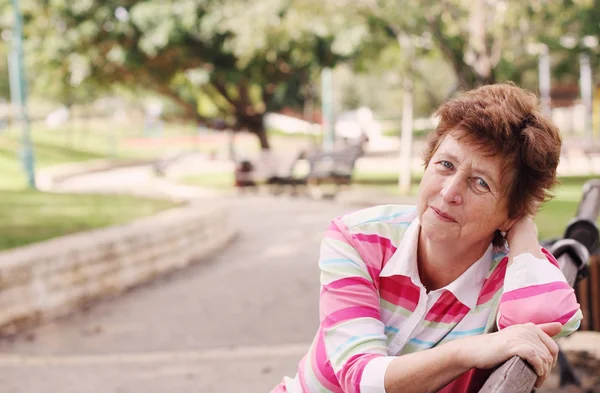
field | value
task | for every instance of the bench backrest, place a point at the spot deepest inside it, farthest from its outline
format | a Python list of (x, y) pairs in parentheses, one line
[(340, 162)]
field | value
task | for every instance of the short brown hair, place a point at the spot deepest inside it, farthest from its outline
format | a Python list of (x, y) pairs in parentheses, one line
[(505, 119)]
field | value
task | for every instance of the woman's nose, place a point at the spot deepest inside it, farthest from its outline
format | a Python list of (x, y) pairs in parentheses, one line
[(452, 192)]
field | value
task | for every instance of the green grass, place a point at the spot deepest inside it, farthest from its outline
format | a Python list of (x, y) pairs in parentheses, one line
[(553, 217), (28, 216), (31, 216), (218, 180)]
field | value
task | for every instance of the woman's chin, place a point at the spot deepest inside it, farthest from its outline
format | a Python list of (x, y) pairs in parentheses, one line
[(439, 233)]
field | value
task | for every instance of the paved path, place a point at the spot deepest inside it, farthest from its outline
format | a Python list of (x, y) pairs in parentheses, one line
[(237, 322)]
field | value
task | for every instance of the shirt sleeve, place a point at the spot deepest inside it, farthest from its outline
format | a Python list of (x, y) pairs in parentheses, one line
[(353, 333), (535, 290)]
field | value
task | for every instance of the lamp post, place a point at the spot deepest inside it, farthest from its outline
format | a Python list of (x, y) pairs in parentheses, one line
[(544, 72), (327, 108), (586, 85), (544, 75), (585, 78), (404, 178), (19, 94)]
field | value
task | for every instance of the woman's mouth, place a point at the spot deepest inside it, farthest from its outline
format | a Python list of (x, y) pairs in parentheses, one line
[(443, 216)]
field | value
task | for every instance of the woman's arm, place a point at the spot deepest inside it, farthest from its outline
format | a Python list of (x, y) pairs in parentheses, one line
[(432, 369), (535, 289), (350, 317), (426, 371)]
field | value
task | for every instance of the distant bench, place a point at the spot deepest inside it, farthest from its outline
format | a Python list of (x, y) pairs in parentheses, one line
[(324, 168)]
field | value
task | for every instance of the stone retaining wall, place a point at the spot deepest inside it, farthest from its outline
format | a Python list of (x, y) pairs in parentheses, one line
[(52, 278)]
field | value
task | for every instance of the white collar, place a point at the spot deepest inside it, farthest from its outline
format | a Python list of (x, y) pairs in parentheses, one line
[(465, 288)]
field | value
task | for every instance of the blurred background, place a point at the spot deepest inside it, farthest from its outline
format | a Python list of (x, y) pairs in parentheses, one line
[(278, 114)]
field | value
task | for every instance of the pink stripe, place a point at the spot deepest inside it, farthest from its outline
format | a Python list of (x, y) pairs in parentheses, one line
[(336, 300), (348, 281), (374, 239), (350, 313), (279, 388), (550, 257), (301, 374), (493, 283), (373, 249), (351, 374), (322, 367), (400, 291), (522, 293), (447, 313), (543, 308), (567, 316), (335, 234), (337, 230)]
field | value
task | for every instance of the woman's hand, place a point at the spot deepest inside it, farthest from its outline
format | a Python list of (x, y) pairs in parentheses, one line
[(533, 343), (522, 238), (523, 227)]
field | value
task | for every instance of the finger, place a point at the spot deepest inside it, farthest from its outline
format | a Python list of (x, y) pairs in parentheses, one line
[(551, 329), (550, 344), (540, 381), (551, 347), (529, 353), (536, 338)]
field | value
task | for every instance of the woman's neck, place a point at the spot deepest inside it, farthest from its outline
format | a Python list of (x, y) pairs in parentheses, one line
[(440, 264)]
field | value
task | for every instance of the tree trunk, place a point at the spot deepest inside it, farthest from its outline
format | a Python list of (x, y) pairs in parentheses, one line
[(261, 133), (255, 124)]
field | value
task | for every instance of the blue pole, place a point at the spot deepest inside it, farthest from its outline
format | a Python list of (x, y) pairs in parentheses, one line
[(19, 95), (327, 108)]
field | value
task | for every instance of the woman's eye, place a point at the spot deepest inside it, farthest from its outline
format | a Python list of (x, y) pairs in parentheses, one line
[(447, 164), (482, 183)]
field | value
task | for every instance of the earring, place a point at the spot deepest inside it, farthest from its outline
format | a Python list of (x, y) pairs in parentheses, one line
[(503, 234)]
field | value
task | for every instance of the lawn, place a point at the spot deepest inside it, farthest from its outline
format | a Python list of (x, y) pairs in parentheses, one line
[(28, 216)]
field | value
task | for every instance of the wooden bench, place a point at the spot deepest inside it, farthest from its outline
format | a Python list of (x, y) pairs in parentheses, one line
[(580, 241), (324, 168)]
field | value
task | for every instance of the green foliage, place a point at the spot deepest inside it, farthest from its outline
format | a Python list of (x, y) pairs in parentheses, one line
[(245, 58), (484, 41)]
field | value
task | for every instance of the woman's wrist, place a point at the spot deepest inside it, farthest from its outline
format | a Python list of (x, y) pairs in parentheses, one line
[(522, 238), (464, 355), (523, 228)]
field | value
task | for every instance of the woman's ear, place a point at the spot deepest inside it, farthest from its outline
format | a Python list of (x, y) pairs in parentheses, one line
[(508, 224)]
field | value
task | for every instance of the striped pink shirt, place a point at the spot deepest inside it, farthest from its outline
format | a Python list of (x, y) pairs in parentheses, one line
[(374, 307)]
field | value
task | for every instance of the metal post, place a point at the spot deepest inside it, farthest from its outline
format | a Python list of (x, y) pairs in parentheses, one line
[(404, 178), (19, 94), (585, 86), (327, 107), (544, 72)]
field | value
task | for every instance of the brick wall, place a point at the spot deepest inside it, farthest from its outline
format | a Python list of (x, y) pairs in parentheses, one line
[(50, 279)]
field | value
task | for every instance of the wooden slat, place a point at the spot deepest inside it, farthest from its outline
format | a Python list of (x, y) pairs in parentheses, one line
[(582, 298), (513, 376), (594, 288)]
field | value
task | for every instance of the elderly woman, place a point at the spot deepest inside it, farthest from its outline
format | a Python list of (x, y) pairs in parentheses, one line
[(411, 296)]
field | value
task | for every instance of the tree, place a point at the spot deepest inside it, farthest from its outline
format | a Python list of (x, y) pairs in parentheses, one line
[(484, 41), (245, 58)]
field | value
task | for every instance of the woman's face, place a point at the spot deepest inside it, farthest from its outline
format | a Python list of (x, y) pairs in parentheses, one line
[(460, 196)]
